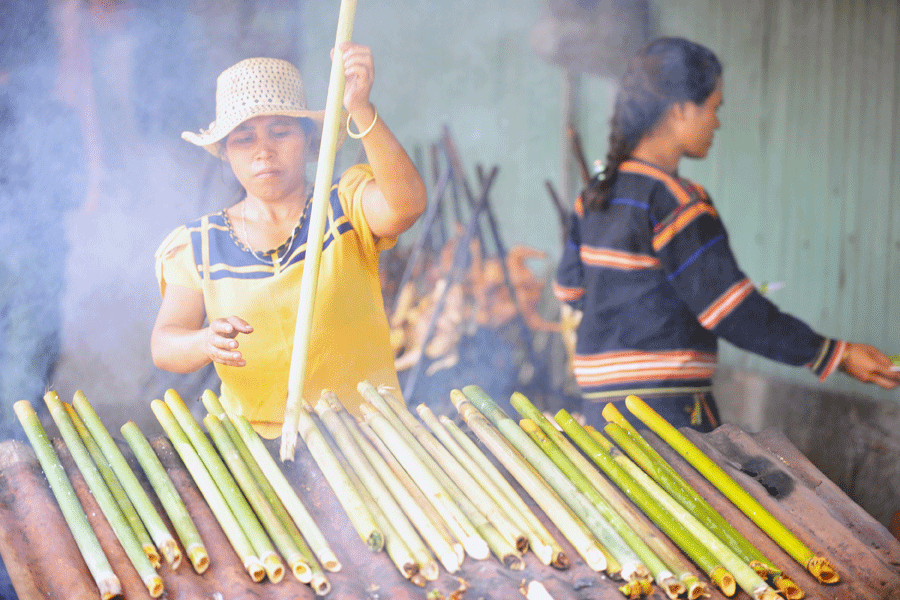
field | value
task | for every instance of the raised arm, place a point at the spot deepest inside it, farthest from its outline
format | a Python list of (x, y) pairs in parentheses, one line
[(397, 197)]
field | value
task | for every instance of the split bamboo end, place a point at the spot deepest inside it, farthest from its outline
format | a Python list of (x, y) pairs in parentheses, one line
[(418, 579), (560, 561), (300, 569), (672, 587), (695, 588), (154, 585), (152, 555), (724, 581), (172, 553), (429, 570), (255, 569), (273, 566), (766, 593), (822, 570), (788, 588), (199, 558), (320, 585), (110, 586)]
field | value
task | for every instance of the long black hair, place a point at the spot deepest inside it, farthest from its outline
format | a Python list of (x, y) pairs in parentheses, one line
[(665, 71)]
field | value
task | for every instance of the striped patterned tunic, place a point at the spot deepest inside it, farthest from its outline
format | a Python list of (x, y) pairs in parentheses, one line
[(658, 284)]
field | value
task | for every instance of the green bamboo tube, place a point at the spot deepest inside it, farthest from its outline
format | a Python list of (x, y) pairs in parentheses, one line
[(116, 489), (642, 453), (211, 493), (437, 522), (746, 577), (122, 471), (457, 521), (318, 580), (541, 541), (331, 124), (107, 582), (292, 503), (168, 496), (262, 545), (553, 506), (683, 538), (104, 497), (819, 566), (257, 500), (632, 568)]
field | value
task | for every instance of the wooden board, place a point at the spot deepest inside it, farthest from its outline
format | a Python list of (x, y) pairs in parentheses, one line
[(44, 562)]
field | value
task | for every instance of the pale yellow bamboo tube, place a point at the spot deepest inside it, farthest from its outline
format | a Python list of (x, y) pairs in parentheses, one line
[(211, 493), (136, 494), (541, 541), (107, 582), (115, 488), (104, 498), (552, 505), (436, 521), (331, 124)]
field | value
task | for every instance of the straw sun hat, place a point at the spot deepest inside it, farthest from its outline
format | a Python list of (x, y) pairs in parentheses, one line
[(256, 87)]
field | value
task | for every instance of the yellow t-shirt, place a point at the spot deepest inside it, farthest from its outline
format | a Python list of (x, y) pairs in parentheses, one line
[(349, 336)]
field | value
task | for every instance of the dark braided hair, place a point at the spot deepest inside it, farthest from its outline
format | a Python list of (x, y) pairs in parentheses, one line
[(665, 71)]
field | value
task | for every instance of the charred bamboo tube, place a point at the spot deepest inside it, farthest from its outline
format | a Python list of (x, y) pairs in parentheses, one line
[(552, 505), (641, 452), (684, 538), (687, 581), (456, 520), (85, 538), (122, 471), (211, 493), (292, 503), (261, 507), (385, 509), (541, 541), (168, 496), (116, 489), (262, 545), (331, 122), (318, 582), (818, 566), (104, 497), (748, 579), (436, 521), (632, 568)]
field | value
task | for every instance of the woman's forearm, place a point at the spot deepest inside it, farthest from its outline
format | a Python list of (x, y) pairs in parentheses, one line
[(179, 349)]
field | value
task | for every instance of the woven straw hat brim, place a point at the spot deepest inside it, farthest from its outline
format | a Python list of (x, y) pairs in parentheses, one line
[(218, 131)]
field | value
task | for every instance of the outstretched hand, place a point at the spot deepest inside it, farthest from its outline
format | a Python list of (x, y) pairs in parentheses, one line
[(220, 344), (869, 365)]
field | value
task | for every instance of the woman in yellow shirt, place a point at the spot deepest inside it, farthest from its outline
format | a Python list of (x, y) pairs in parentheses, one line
[(230, 281)]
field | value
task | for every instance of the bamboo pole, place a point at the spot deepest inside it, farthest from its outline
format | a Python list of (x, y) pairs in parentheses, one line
[(552, 505), (107, 582), (262, 545), (540, 540), (318, 582), (104, 497), (116, 489), (211, 493), (331, 124), (168, 496), (136, 494), (818, 566)]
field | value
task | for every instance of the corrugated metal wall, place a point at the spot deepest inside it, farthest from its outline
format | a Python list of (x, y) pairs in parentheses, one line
[(806, 167)]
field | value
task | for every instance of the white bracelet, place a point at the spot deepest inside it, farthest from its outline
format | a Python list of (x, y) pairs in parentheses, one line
[(357, 136)]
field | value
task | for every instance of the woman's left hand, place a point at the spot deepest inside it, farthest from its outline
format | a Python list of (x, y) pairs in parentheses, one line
[(359, 70)]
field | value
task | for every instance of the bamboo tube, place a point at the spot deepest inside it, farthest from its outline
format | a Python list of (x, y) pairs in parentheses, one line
[(642, 453), (136, 494), (318, 581), (438, 523), (552, 505), (541, 541), (456, 520), (115, 488), (341, 426), (211, 493), (504, 545), (818, 566), (747, 578), (267, 517), (292, 503), (331, 124), (107, 582), (684, 538), (168, 496), (632, 568), (262, 545), (104, 497)]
